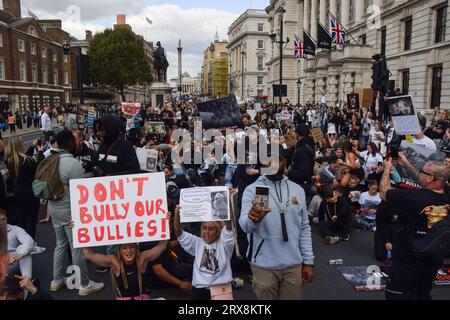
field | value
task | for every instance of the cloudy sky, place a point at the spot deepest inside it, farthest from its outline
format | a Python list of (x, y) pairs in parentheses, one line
[(194, 21)]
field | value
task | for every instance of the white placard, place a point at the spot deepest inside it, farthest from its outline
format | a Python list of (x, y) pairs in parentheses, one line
[(119, 209), (205, 204), (404, 115)]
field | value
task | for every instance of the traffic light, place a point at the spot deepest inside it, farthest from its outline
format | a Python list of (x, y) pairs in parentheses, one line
[(376, 77)]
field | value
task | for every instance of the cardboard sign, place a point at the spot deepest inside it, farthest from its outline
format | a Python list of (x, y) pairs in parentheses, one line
[(205, 204), (317, 135), (131, 109), (120, 209), (404, 115)]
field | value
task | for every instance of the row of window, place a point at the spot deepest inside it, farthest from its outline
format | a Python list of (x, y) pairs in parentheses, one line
[(33, 49), (440, 30), (436, 86), (34, 73)]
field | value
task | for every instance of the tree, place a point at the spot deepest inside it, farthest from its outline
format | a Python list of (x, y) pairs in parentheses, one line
[(117, 60)]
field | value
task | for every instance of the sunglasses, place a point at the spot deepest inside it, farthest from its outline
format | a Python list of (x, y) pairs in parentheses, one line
[(425, 173)]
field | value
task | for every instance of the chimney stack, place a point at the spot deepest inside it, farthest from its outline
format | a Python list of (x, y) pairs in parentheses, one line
[(13, 7), (121, 19)]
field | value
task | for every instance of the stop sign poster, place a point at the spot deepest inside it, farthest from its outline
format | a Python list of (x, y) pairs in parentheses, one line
[(121, 209)]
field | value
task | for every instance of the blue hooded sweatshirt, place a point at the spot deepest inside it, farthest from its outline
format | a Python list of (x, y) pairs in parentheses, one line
[(270, 250)]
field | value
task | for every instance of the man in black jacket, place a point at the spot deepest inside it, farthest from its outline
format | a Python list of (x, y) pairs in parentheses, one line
[(116, 156), (302, 165)]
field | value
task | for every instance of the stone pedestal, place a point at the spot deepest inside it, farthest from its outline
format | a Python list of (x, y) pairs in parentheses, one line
[(160, 92)]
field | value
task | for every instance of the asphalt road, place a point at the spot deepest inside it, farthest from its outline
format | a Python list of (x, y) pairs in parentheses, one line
[(329, 284)]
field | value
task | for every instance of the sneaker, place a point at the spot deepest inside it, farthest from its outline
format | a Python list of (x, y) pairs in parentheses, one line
[(92, 287), (102, 269), (55, 285), (331, 240), (345, 237), (38, 250)]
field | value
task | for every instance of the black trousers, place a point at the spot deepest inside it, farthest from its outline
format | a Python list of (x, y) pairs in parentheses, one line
[(329, 228), (410, 281), (380, 248), (200, 294)]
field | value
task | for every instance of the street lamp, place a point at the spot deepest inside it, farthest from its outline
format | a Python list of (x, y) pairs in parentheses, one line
[(231, 82), (243, 54), (299, 83), (281, 11)]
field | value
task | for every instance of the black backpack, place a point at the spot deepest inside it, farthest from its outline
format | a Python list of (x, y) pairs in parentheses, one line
[(435, 245)]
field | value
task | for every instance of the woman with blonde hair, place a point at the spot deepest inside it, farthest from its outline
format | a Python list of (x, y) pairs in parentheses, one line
[(22, 205), (127, 266)]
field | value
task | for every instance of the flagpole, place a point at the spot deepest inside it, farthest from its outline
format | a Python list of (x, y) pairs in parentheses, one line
[(357, 43)]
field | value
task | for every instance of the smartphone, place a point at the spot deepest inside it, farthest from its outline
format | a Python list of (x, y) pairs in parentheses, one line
[(262, 197)]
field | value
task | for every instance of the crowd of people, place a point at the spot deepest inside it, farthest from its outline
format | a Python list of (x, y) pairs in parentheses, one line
[(338, 182)]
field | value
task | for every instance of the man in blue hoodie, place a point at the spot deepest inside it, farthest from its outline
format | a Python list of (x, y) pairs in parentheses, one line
[(280, 250)]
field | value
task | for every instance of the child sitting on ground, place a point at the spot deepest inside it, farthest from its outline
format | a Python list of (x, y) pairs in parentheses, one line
[(369, 202), (212, 252)]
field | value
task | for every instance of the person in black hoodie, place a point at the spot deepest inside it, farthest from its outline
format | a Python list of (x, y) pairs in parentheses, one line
[(302, 164), (334, 217), (84, 154), (116, 156)]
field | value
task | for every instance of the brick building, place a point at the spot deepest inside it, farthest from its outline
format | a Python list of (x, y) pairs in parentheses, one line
[(33, 69)]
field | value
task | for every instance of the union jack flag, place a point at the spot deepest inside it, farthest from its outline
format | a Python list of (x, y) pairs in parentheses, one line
[(338, 32), (299, 50)]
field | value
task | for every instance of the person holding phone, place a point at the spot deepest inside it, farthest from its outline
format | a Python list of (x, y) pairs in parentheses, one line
[(280, 245)]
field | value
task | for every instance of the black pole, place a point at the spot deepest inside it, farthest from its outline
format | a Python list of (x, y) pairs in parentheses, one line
[(281, 56), (80, 80)]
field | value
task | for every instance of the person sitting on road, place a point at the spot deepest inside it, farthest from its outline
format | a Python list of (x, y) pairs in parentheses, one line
[(369, 201), (334, 217), (212, 254), (127, 266)]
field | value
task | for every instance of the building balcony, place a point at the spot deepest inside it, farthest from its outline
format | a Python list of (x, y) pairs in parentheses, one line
[(353, 52)]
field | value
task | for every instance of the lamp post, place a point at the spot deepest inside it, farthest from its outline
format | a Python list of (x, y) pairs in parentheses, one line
[(66, 49), (299, 83), (243, 54), (281, 11)]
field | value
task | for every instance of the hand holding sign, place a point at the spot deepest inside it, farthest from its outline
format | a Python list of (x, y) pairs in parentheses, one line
[(257, 214)]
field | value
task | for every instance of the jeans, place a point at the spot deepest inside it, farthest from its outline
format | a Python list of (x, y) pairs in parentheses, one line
[(25, 265), (368, 224), (63, 241), (229, 173)]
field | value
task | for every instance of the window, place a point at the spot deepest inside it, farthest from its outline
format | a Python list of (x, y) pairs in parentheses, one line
[(1, 40), (260, 27), (22, 71), (34, 73), (33, 48), (441, 24), (21, 45), (383, 41), (260, 92), (32, 31), (66, 77), (260, 80), (55, 78), (44, 75), (260, 44), (408, 34), (55, 56), (405, 82), (363, 40), (436, 87), (260, 63), (44, 52), (2, 69)]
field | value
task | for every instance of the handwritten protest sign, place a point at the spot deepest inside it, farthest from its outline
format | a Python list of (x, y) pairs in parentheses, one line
[(121, 209), (205, 204), (131, 109)]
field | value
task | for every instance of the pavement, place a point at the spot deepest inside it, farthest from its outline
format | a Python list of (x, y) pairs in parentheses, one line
[(329, 284)]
